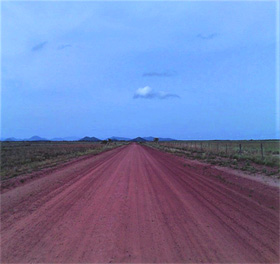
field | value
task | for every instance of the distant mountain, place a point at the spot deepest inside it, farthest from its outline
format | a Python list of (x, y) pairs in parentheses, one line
[(91, 139), (36, 138), (149, 138), (167, 139), (71, 138), (65, 139), (12, 139), (120, 138), (58, 139), (138, 139), (160, 139)]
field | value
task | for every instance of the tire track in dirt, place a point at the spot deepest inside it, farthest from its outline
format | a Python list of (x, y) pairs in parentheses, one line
[(137, 204)]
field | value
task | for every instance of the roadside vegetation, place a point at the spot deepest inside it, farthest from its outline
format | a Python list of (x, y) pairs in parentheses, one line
[(23, 157), (254, 156)]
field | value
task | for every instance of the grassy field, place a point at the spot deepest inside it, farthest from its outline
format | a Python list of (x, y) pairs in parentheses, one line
[(248, 155), (18, 158)]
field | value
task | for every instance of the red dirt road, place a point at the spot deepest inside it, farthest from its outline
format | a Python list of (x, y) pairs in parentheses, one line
[(137, 204)]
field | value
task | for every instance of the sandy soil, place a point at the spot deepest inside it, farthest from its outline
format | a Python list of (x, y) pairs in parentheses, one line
[(136, 204)]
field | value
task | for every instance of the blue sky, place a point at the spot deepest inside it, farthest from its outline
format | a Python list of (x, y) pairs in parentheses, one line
[(186, 70)]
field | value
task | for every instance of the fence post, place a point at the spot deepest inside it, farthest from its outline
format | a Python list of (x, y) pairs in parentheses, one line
[(262, 150), (226, 149), (201, 146), (240, 148)]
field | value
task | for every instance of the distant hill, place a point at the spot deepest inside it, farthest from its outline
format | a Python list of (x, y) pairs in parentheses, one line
[(167, 139), (58, 139), (65, 139), (160, 139), (71, 138), (149, 138), (120, 138), (91, 139), (36, 138), (138, 139), (12, 139)]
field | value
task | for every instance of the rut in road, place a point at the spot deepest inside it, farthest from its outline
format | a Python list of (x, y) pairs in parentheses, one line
[(137, 204)]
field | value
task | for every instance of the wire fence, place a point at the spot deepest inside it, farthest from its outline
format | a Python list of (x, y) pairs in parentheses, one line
[(262, 149)]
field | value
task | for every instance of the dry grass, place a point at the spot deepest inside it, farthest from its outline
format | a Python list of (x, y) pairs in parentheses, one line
[(227, 153), (18, 158)]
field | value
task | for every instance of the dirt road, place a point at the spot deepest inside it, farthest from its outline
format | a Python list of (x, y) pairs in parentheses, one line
[(136, 204)]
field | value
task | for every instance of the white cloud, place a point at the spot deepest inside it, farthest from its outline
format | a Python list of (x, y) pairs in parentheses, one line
[(148, 93), (143, 92)]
